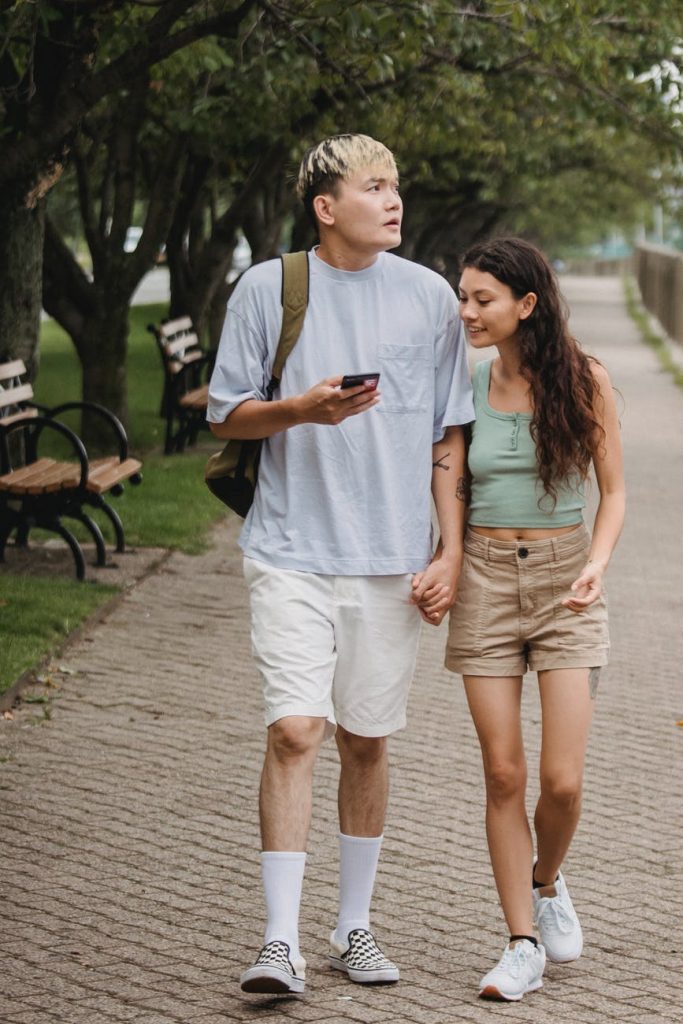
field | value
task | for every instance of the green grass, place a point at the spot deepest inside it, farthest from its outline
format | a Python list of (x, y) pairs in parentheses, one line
[(37, 614), (640, 317), (171, 508)]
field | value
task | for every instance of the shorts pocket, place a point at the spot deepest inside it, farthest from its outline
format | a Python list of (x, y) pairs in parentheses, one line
[(588, 627), (406, 378), (470, 612)]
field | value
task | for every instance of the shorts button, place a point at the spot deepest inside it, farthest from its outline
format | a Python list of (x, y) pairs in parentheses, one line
[(523, 552)]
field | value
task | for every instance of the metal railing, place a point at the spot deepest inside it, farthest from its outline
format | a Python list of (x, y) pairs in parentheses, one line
[(659, 272)]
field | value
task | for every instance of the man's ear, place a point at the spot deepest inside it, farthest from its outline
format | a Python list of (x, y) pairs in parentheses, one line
[(323, 208), (527, 305)]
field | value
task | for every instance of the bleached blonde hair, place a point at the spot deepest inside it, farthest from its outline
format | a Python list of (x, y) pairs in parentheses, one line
[(335, 159)]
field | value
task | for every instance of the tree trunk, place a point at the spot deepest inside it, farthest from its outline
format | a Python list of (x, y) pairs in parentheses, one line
[(104, 347), (21, 258), (216, 312)]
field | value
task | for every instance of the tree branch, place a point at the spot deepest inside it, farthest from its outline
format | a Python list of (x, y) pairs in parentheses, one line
[(79, 93)]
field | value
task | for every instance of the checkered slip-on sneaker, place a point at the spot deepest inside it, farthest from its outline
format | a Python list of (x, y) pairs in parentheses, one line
[(274, 971), (362, 959)]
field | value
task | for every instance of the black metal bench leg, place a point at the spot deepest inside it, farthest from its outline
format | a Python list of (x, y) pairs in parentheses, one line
[(22, 535), (113, 518), (74, 545), (4, 537), (169, 445), (95, 533), (181, 436)]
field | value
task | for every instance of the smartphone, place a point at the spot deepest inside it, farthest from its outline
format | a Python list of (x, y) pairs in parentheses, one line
[(354, 380)]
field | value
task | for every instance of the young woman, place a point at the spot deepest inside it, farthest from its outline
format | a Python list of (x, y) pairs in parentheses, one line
[(531, 589)]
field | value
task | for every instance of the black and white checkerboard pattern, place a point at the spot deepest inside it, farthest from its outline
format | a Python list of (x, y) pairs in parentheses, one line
[(275, 954), (363, 953)]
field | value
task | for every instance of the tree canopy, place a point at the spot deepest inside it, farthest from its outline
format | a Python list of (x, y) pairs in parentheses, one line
[(189, 118)]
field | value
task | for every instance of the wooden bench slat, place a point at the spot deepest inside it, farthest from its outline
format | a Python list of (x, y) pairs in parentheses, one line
[(14, 369), (46, 475), (195, 399), (171, 327), (180, 362), (19, 475), (105, 476), (23, 414), (180, 344), (40, 477), (13, 396), (59, 477)]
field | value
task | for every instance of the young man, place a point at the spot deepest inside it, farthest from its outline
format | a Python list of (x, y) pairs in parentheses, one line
[(337, 545)]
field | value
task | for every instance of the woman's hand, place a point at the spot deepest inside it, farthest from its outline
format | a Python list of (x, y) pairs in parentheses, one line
[(586, 589), (434, 590)]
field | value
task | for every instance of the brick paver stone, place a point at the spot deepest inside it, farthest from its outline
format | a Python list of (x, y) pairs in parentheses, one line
[(128, 816)]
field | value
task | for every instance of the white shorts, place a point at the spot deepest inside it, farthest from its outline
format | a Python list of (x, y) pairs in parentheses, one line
[(336, 647)]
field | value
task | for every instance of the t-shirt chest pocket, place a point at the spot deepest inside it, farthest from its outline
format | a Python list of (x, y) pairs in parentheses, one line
[(407, 378)]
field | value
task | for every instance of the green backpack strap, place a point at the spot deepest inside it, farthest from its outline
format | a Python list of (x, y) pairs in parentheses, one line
[(294, 303)]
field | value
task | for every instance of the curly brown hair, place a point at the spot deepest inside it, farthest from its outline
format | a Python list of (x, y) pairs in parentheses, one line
[(563, 386)]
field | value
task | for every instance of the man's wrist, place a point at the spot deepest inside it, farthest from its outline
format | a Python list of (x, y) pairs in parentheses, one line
[(294, 410)]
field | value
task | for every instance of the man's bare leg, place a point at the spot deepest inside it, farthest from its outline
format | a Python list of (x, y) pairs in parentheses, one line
[(285, 812)]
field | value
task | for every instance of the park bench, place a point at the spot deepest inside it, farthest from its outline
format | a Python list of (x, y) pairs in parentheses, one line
[(37, 490), (185, 395)]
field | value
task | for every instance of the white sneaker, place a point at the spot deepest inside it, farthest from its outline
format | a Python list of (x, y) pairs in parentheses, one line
[(519, 970), (362, 959), (274, 971), (557, 922)]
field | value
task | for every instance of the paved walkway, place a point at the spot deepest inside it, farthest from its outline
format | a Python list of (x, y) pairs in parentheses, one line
[(127, 815)]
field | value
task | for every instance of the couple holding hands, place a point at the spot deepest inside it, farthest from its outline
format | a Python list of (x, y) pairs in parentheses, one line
[(342, 570)]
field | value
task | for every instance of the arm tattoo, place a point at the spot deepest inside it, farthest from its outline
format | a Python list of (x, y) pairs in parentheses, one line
[(440, 463), (461, 489)]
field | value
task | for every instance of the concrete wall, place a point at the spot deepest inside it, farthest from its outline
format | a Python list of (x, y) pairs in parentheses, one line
[(659, 271)]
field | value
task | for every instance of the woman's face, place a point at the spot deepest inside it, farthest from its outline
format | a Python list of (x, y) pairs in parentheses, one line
[(488, 309)]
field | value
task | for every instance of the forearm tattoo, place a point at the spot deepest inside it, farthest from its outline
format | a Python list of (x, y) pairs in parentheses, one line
[(461, 489), (440, 463)]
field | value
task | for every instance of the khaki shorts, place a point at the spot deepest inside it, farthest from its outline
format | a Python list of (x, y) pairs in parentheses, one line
[(508, 616), (336, 647)]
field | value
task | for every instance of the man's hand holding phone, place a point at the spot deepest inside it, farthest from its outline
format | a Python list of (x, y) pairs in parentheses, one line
[(354, 380), (336, 398)]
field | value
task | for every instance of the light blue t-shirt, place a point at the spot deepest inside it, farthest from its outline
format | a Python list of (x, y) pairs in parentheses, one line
[(352, 499)]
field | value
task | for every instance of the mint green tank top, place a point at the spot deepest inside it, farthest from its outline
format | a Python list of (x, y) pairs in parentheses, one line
[(506, 489)]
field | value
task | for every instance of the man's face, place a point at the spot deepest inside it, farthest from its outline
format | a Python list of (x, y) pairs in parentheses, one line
[(366, 210)]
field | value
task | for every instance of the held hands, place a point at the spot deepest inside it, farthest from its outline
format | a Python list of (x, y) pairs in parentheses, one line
[(586, 589), (434, 590), (327, 403)]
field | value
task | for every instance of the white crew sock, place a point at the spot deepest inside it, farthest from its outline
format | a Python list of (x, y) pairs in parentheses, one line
[(358, 857), (283, 875)]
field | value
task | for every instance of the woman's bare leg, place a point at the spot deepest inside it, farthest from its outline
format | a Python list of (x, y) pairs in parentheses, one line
[(495, 708)]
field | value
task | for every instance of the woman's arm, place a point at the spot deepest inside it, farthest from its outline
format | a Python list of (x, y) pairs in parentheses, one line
[(434, 589), (609, 472)]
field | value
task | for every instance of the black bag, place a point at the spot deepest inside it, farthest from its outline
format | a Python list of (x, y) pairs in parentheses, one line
[(232, 473)]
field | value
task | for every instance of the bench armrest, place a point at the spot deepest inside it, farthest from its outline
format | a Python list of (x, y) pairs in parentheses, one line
[(114, 422), (34, 427)]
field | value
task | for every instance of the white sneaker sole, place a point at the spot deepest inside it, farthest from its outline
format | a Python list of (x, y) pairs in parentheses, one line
[(493, 992), (270, 980), (376, 976), (564, 959)]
